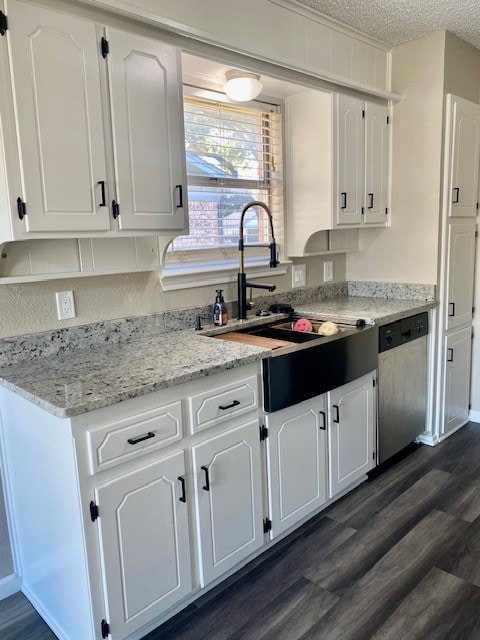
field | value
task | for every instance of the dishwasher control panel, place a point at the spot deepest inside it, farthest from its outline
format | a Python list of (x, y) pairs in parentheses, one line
[(405, 330)]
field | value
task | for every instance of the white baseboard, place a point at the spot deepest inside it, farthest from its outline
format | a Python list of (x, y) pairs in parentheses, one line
[(51, 622), (9, 585), (430, 440), (474, 416)]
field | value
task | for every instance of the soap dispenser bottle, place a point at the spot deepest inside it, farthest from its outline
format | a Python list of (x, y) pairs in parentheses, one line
[(220, 315)]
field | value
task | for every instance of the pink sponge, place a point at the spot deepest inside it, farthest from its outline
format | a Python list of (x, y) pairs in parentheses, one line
[(302, 324)]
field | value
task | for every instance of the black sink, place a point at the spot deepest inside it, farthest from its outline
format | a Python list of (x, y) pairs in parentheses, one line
[(272, 331)]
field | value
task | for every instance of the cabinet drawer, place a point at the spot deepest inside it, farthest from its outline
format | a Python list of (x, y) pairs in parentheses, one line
[(216, 405), (122, 440)]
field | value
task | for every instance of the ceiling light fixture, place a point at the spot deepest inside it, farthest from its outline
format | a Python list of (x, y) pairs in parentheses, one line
[(241, 85)]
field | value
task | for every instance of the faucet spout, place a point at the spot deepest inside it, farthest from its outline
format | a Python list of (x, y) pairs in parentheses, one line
[(242, 283)]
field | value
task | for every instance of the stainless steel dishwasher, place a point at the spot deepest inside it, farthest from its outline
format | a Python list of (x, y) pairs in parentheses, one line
[(402, 383)]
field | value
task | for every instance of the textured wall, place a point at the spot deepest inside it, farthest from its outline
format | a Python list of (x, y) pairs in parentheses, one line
[(28, 308)]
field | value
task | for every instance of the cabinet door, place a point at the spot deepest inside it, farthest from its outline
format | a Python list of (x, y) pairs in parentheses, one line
[(56, 79), (376, 163), (350, 160), (144, 541), (458, 348), (352, 430), (464, 150), (297, 464), (460, 270), (147, 116), (228, 484)]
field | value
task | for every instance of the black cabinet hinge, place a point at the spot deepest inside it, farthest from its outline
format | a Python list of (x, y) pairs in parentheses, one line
[(263, 433), (374, 382), (373, 455), (21, 208), (115, 209), (363, 113), (476, 207), (105, 47), (93, 511), (388, 119), (105, 629), (476, 234), (363, 211), (3, 24), (267, 525), (386, 211)]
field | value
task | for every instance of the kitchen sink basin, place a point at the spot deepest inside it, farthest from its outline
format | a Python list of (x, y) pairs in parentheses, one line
[(305, 364)]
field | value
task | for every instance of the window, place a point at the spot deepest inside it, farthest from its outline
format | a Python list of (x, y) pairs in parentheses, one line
[(233, 156)]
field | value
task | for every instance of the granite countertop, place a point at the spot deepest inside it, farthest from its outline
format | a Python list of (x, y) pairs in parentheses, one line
[(377, 311), (81, 380)]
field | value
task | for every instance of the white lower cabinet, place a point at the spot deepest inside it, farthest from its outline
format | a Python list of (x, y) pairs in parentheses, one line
[(297, 462), (458, 348), (145, 543), (228, 488), (351, 432)]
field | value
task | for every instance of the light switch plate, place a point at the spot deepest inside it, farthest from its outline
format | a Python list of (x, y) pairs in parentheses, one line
[(299, 275), (328, 271)]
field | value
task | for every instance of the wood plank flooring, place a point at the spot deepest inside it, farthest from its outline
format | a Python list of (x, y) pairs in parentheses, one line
[(396, 559)]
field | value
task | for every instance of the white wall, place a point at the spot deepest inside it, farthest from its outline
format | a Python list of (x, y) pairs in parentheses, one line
[(408, 250)]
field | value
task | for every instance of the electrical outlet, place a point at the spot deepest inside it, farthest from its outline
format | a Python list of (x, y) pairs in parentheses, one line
[(299, 275), (328, 271), (65, 305)]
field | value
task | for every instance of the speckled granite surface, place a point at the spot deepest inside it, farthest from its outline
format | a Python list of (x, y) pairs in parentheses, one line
[(373, 310), (399, 291), (85, 368), (68, 385)]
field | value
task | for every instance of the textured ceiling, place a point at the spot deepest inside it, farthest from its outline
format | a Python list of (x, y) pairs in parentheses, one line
[(396, 21)]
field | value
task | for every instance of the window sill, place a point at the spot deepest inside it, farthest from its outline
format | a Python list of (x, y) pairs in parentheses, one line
[(188, 275)]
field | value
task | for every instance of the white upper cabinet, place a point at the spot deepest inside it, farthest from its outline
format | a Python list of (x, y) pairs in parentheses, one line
[(350, 160), (464, 151), (147, 124), (100, 129), (56, 81), (376, 163), (362, 163)]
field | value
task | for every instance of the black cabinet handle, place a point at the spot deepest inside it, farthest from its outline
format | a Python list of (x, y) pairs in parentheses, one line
[(103, 203), (323, 426), (115, 209), (179, 188), (370, 195), (451, 309), (147, 436), (183, 497), (206, 486), (449, 355), (337, 413), (235, 403), (344, 200), (456, 195)]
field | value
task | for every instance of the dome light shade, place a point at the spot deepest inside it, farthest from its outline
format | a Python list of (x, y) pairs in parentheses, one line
[(242, 86)]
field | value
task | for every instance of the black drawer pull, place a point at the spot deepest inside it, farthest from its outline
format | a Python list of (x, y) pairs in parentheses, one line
[(206, 486), (449, 355), (451, 309), (235, 403), (147, 436), (323, 426), (336, 419), (103, 203), (370, 195), (183, 497), (344, 200), (456, 196)]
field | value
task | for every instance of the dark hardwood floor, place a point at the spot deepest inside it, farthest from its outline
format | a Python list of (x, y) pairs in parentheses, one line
[(396, 559)]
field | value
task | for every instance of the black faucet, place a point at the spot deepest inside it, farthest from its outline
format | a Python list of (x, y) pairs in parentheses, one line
[(242, 283)]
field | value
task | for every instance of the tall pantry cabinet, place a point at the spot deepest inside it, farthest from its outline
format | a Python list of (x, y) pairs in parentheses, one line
[(457, 260)]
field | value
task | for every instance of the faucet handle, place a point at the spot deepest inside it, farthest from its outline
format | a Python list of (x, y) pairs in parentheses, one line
[(198, 322)]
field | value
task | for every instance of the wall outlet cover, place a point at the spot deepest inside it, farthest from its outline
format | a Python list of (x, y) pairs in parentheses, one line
[(65, 305), (299, 275), (328, 271)]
